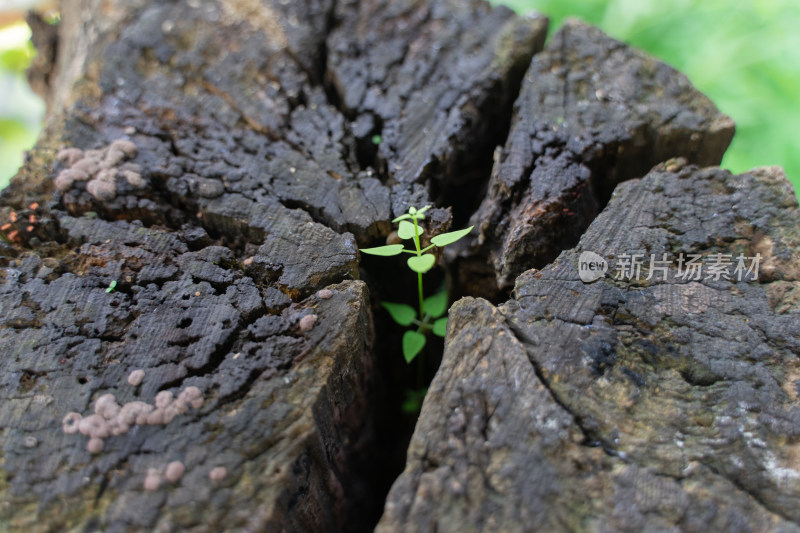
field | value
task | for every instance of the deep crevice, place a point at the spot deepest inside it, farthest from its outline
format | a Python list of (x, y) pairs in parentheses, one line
[(460, 185)]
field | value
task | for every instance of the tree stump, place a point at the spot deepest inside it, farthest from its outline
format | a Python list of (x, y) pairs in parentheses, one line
[(187, 344), (625, 405)]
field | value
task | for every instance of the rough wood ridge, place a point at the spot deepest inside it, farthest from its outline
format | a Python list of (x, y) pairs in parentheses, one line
[(194, 209), (193, 212)]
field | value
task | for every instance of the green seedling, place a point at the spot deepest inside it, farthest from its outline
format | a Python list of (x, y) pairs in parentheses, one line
[(111, 286), (428, 317)]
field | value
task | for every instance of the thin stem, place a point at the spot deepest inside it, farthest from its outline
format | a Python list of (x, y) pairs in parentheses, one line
[(419, 283), (419, 274)]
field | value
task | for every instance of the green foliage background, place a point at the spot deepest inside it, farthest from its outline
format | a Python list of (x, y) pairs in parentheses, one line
[(745, 55), (20, 110)]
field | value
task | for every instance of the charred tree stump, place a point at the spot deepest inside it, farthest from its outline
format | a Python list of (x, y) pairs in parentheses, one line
[(625, 405), (187, 344), (193, 212)]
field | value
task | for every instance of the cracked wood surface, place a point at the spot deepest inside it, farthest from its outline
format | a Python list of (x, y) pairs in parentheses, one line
[(253, 180), (592, 112), (624, 405), (250, 178)]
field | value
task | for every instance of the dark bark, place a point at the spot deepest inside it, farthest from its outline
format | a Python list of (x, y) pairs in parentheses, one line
[(221, 171), (625, 405), (592, 113)]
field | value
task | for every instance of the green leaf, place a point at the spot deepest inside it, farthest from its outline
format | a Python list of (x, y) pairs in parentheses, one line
[(401, 313), (377, 139), (421, 263), (449, 238), (440, 327), (391, 249), (402, 217), (435, 306), (413, 343), (406, 230), (111, 285)]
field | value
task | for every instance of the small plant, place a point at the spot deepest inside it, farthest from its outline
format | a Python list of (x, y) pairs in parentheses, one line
[(428, 317)]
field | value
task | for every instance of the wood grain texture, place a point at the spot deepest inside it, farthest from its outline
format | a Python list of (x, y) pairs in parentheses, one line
[(625, 405), (220, 173), (592, 112)]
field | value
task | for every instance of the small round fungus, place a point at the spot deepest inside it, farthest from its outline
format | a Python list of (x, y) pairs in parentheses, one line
[(307, 322), (217, 473), (101, 190), (70, 156), (135, 378), (108, 175), (133, 178), (155, 418), (95, 445), (114, 157), (190, 393), (163, 399), (178, 407), (70, 422), (152, 481), (126, 147), (174, 471), (325, 294), (87, 165), (106, 406), (131, 411), (64, 180), (94, 426), (169, 413), (118, 429)]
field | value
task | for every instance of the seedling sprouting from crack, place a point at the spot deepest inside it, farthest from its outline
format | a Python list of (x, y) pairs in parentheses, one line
[(428, 318)]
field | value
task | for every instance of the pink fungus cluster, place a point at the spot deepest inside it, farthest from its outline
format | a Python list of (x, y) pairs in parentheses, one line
[(111, 419), (103, 170), (171, 474)]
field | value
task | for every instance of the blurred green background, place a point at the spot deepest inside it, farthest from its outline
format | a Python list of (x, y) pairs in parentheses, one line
[(21, 111), (745, 55)]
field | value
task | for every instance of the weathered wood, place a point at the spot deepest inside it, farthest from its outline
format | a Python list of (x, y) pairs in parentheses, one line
[(206, 172), (280, 402), (626, 405), (223, 161), (592, 112), (434, 79)]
